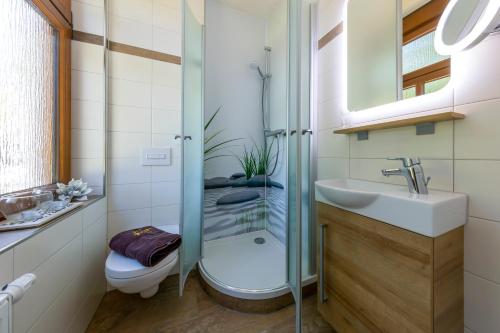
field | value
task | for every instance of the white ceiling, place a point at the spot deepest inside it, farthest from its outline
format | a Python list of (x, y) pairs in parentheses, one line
[(410, 6), (261, 8)]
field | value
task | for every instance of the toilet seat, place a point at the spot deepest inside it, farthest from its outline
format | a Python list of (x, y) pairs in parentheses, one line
[(121, 267)]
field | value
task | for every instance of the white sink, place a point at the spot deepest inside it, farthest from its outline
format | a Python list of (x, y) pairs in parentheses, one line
[(430, 214)]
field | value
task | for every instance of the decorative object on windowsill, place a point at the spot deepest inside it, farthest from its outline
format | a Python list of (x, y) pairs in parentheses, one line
[(32, 209), (76, 189)]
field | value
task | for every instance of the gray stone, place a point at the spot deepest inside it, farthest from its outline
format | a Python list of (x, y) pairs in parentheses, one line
[(217, 182), (237, 175), (238, 197), (259, 181)]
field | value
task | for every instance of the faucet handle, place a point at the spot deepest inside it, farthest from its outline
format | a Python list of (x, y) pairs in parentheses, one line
[(407, 161)]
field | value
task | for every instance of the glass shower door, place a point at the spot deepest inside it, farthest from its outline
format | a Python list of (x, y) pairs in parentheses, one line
[(192, 140), (300, 224), (294, 249)]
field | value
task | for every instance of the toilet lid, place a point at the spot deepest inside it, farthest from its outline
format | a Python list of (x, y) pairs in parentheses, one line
[(121, 267)]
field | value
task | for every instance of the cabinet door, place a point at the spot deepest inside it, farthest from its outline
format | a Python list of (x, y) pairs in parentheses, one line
[(378, 278), (64, 6)]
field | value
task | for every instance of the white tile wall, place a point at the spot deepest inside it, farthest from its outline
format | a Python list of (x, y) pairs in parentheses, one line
[(462, 156), (476, 138), (88, 16), (481, 241), (126, 31), (167, 74), (127, 219), (480, 180), (440, 171), (482, 305), (128, 196), (476, 66), (144, 110), (145, 98), (7, 264), (129, 119), (87, 105), (87, 57), (68, 260), (137, 10), (87, 115), (87, 86), (384, 143), (127, 67)]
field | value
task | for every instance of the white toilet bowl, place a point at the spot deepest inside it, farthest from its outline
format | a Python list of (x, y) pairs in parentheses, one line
[(129, 276)]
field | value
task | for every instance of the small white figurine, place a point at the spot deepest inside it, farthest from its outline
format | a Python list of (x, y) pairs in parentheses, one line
[(75, 189)]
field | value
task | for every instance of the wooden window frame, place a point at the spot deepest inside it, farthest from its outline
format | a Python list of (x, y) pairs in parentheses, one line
[(429, 73), (63, 133), (417, 24), (423, 20)]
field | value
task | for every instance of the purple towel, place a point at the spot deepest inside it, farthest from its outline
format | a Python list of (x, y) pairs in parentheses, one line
[(147, 245)]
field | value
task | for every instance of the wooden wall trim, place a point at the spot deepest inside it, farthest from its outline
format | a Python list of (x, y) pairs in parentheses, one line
[(86, 37), (330, 35), (145, 53)]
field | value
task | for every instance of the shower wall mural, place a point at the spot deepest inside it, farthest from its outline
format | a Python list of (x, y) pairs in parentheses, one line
[(245, 121), (251, 224)]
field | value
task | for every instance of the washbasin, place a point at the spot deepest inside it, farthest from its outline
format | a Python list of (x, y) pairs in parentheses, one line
[(430, 214)]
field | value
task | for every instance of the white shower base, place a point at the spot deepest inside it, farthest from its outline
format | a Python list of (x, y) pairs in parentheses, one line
[(238, 267)]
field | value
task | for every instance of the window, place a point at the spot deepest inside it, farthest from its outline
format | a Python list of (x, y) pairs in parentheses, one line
[(424, 71), (420, 53), (33, 103)]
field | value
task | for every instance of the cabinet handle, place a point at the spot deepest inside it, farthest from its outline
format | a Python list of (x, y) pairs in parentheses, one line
[(322, 295)]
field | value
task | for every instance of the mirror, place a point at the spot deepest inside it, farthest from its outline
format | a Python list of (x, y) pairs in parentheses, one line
[(390, 51), (465, 23)]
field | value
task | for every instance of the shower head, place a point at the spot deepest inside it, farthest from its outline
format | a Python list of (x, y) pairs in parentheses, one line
[(254, 65)]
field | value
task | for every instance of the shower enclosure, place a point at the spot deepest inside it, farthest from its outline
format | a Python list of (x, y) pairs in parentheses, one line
[(247, 148)]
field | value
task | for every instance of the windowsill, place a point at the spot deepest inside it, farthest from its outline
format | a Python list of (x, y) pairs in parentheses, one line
[(10, 239)]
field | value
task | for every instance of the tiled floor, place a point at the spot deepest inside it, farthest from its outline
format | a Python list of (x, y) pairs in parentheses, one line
[(194, 312)]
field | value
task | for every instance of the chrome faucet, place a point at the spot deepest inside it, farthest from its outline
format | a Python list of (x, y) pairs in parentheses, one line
[(413, 172)]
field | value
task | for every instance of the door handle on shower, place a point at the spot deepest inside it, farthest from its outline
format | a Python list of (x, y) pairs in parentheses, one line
[(187, 137), (178, 137), (304, 131), (322, 295), (292, 132)]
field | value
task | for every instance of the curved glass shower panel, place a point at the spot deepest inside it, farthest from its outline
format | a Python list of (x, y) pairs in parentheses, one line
[(294, 157), (245, 150), (307, 124), (192, 129)]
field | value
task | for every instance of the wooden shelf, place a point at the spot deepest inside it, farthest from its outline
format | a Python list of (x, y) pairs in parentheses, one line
[(433, 118)]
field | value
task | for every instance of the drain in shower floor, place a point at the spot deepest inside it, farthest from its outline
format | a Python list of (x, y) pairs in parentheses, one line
[(259, 240)]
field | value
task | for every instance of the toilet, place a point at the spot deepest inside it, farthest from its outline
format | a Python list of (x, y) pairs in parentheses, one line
[(129, 276)]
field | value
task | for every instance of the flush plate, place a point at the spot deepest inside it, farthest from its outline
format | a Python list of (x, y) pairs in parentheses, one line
[(157, 156)]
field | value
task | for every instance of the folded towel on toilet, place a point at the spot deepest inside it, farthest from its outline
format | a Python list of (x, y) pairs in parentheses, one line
[(147, 245)]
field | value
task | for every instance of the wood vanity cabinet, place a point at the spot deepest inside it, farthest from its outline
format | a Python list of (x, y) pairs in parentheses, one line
[(381, 278)]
